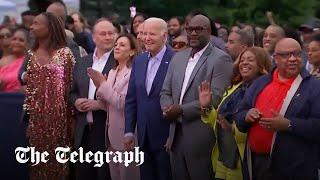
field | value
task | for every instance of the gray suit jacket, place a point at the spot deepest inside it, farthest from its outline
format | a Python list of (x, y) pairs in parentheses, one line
[(80, 88), (216, 67)]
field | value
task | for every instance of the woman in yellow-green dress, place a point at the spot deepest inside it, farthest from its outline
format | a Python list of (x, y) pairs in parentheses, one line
[(230, 145)]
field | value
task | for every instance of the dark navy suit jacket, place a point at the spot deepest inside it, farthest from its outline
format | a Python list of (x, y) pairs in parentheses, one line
[(144, 110), (294, 152)]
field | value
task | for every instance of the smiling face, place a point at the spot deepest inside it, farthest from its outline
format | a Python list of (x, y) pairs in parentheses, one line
[(19, 42), (154, 36), (270, 38), (248, 66)]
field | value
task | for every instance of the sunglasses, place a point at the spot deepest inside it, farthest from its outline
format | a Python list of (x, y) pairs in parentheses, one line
[(197, 29), (178, 44), (5, 35), (287, 55)]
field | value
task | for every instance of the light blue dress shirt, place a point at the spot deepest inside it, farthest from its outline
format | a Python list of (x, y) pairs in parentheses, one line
[(153, 66)]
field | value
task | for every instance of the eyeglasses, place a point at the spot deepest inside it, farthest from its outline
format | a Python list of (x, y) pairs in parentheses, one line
[(287, 55), (178, 44), (197, 29), (5, 35)]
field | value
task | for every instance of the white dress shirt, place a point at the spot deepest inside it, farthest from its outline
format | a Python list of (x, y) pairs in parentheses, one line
[(153, 66), (191, 64), (98, 64)]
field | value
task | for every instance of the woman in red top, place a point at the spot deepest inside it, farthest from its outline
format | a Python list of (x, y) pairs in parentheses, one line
[(10, 65)]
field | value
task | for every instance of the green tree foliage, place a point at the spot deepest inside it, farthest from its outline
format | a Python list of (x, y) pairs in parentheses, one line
[(228, 12), (285, 12), (168, 8)]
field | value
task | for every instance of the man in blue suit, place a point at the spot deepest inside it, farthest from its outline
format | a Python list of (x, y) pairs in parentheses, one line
[(142, 107)]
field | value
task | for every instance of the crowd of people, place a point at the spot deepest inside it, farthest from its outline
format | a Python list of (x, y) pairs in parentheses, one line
[(201, 100)]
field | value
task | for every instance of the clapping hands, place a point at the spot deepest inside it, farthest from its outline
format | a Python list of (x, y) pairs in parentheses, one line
[(96, 76)]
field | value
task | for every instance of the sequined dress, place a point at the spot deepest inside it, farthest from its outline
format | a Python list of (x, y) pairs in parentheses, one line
[(50, 115)]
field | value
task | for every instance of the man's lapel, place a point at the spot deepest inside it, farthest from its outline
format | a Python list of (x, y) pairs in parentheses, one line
[(111, 63), (161, 73), (202, 59), (87, 63), (181, 70), (144, 69)]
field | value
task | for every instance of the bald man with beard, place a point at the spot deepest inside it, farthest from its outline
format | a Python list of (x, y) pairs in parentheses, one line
[(193, 140)]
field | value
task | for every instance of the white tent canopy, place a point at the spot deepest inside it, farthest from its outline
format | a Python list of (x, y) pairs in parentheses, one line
[(8, 8), (4, 3)]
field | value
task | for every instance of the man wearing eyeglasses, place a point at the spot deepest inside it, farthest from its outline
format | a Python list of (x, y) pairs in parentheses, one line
[(192, 139), (280, 113)]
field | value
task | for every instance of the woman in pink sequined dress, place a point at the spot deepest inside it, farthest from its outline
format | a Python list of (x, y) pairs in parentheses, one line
[(48, 77)]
